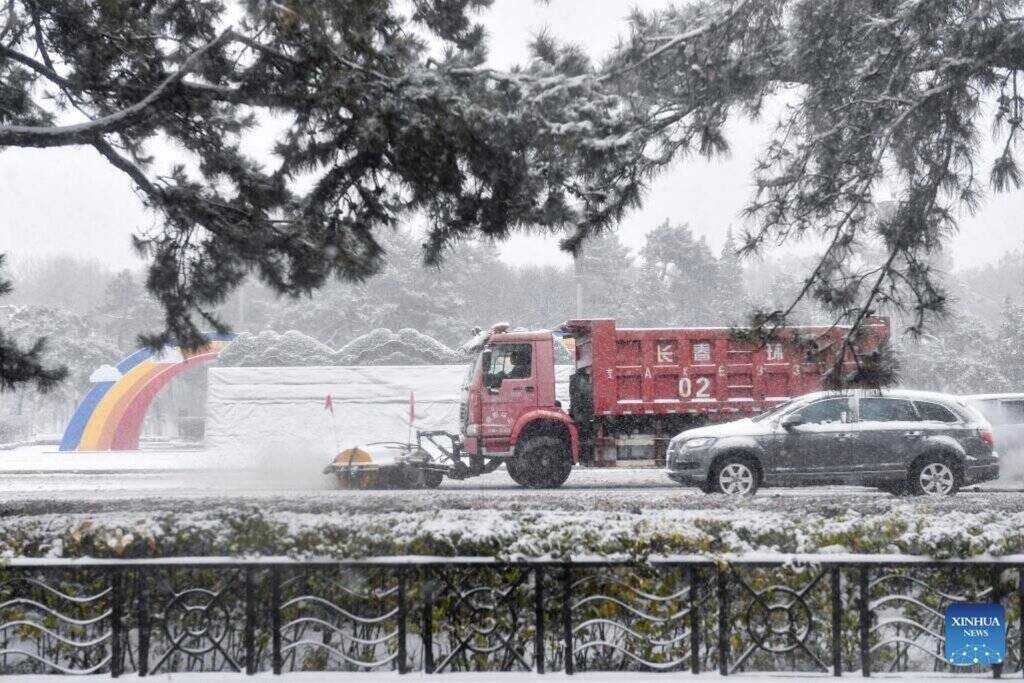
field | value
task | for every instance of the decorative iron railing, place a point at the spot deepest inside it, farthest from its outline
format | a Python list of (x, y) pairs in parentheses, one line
[(804, 613)]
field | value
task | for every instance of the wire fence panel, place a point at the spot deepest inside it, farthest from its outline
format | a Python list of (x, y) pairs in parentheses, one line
[(863, 616)]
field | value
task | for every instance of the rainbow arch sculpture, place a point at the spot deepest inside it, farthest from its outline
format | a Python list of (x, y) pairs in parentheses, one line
[(110, 416)]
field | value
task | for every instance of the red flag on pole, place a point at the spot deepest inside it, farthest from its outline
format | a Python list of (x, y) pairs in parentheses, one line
[(412, 407), (329, 404)]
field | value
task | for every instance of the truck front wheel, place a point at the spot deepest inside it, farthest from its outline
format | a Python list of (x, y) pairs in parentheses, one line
[(540, 462)]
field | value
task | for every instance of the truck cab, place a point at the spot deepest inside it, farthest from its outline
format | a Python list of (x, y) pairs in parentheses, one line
[(509, 410)]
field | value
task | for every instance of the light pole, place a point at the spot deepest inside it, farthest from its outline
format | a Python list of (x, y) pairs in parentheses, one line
[(577, 267)]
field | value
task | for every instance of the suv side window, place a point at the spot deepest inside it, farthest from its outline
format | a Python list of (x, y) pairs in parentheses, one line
[(886, 410), (934, 412), (833, 410)]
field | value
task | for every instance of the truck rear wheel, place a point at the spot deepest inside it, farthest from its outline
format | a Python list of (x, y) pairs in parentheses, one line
[(540, 462)]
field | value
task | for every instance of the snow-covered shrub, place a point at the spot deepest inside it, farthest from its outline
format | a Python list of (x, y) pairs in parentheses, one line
[(364, 343), (962, 527), (378, 347), (70, 341), (957, 529), (407, 347), (428, 345), (240, 348), (270, 349)]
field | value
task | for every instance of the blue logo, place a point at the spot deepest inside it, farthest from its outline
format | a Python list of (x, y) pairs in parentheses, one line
[(975, 633)]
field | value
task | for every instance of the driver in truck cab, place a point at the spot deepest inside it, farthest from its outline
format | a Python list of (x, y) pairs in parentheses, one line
[(520, 360)]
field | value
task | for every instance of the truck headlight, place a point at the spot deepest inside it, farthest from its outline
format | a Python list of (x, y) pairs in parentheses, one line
[(472, 429), (699, 442)]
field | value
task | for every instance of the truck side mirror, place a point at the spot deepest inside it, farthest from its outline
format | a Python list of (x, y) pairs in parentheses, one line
[(790, 421), (485, 365), (492, 381)]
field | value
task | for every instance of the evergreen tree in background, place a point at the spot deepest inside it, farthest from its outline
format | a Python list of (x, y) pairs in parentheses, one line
[(126, 307), (1010, 343), (62, 281), (604, 269), (681, 280), (443, 304), (957, 358), (72, 344), (730, 299), (393, 112), (22, 361)]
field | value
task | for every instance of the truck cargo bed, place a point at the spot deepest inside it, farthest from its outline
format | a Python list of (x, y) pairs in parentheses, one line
[(705, 371)]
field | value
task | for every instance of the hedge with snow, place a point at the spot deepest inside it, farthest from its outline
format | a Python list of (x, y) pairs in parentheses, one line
[(891, 526)]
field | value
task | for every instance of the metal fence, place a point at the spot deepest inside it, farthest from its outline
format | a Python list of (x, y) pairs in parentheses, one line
[(828, 613)]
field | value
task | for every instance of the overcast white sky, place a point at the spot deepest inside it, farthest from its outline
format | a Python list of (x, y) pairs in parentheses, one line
[(70, 200)]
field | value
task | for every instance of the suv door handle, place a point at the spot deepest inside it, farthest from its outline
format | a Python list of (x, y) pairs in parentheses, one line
[(914, 434), (844, 437), (528, 389)]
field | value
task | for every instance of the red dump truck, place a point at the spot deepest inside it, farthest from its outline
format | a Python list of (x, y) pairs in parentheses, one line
[(629, 389)]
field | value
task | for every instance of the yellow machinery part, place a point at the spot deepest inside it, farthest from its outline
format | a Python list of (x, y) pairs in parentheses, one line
[(358, 476)]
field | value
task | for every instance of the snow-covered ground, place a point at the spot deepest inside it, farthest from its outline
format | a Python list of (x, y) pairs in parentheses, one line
[(46, 496), (39, 478)]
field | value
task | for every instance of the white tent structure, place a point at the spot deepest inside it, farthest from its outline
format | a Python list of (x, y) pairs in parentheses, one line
[(280, 410)]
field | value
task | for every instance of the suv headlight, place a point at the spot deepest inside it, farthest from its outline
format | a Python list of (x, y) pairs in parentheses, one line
[(699, 442)]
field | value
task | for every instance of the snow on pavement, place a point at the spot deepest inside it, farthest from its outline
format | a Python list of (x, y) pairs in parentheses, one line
[(46, 458), (41, 479), (595, 509)]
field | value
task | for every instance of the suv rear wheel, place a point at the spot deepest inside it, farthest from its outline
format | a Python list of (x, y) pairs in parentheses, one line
[(735, 475), (933, 475)]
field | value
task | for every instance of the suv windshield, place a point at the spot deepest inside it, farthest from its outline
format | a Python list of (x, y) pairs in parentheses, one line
[(773, 411)]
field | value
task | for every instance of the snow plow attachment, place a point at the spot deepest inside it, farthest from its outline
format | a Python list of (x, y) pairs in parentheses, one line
[(355, 468)]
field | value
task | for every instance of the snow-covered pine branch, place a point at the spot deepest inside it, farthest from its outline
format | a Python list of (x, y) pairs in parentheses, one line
[(86, 131)]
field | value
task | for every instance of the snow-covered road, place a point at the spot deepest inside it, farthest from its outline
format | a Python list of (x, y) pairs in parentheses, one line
[(38, 480), (208, 503)]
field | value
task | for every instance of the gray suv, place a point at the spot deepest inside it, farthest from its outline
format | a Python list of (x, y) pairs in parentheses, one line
[(913, 441)]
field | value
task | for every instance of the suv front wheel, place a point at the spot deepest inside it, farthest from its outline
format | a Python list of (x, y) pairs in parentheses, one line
[(933, 475), (734, 476)]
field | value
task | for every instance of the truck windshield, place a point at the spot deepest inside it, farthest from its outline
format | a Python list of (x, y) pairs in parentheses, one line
[(469, 372)]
